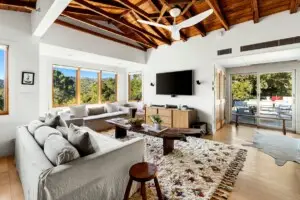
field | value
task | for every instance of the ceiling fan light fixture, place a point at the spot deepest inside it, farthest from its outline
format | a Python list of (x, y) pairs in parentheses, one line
[(175, 12)]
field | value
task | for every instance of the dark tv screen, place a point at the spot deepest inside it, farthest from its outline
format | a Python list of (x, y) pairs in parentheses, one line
[(175, 83)]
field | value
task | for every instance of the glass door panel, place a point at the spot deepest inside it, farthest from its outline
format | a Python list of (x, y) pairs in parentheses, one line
[(276, 99), (244, 97)]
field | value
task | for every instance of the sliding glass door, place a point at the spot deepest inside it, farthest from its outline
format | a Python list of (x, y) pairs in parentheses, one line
[(267, 95)]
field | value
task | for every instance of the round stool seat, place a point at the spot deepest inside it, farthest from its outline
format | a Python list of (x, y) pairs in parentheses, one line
[(143, 172)]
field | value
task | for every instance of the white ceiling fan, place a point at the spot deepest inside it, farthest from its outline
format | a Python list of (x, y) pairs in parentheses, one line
[(175, 28)]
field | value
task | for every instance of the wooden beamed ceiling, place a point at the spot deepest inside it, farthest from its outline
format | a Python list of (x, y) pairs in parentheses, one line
[(124, 14)]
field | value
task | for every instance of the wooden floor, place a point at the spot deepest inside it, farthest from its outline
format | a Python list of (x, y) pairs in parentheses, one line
[(261, 179)]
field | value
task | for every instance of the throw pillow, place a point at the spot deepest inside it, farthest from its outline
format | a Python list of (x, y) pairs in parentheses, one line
[(52, 120), (80, 139), (111, 107), (96, 111), (59, 151), (64, 131), (35, 124), (42, 133), (79, 111)]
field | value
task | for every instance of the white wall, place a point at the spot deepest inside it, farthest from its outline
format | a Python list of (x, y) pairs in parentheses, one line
[(15, 31), (200, 54), (45, 82)]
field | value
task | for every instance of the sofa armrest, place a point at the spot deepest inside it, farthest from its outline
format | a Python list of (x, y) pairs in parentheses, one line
[(75, 121), (103, 175)]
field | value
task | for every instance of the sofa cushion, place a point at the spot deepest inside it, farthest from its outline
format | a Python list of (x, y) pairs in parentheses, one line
[(79, 111), (105, 116), (96, 110), (80, 139), (52, 120), (112, 107), (43, 132), (59, 151), (64, 131), (35, 124)]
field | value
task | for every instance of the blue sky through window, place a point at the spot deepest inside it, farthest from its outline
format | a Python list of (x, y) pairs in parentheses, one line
[(2, 60), (88, 74)]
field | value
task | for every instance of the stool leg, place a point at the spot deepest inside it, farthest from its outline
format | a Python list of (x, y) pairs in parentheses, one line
[(143, 191), (159, 195), (126, 196)]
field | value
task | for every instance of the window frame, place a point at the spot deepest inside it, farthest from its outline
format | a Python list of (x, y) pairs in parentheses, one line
[(6, 82), (129, 87), (78, 85)]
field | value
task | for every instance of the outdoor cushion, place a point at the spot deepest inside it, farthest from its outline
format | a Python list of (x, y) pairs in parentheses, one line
[(59, 151)]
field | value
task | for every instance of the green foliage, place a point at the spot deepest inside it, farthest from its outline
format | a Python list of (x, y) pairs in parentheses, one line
[(135, 87), (156, 119), (273, 84), (89, 90), (64, 89), (108, 90), (1, 99)]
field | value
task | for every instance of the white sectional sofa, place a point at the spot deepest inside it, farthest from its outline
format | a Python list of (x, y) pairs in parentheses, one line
[(101, 175)]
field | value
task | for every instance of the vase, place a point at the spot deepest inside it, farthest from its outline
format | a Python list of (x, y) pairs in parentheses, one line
[(157, 126)]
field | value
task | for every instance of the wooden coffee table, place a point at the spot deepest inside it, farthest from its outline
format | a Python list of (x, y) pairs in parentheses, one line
[(168, 136)]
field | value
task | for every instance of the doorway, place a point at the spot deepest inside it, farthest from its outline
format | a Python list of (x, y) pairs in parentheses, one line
[(268, 95)]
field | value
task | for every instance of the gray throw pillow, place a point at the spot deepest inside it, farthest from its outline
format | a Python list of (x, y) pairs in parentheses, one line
[(52, 120), (59, 151), (96, 111), (64, 130), (42, 133), (79, 111), (81, 140), (111, 107), (35, 124)]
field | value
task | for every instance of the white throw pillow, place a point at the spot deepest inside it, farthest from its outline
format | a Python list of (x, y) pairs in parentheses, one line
[(112, 107), (79, 111)]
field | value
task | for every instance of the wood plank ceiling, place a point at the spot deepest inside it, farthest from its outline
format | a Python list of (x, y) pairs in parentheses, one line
[(124, 14)]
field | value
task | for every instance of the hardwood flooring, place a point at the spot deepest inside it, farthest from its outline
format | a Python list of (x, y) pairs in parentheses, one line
[(260, 179)]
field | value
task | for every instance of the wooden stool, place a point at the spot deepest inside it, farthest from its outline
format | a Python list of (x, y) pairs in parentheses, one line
[(143, 172)]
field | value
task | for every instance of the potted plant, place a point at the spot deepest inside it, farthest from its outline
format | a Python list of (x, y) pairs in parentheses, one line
[(135, 122), (157, 121)]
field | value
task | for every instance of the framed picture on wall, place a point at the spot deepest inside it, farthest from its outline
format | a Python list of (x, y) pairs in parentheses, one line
[(27, 78)]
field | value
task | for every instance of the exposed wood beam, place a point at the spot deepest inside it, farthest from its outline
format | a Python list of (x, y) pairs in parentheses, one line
[(255, 11), (49, 11), (15, 3), (175, 2), (294, 6), (145, 15), (138, 4), (109, 3), (85, 15), (136, 17), (162, 12), (78, 28), (104, 28), (198, 26), (187, 7), (213, 4), (120, 21)]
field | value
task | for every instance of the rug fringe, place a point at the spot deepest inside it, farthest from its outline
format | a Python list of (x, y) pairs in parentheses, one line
[(226, 186)]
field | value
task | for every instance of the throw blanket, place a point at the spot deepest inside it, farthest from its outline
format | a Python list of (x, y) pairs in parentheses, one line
[(281, 148)]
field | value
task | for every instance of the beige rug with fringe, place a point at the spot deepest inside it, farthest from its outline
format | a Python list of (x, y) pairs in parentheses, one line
[(196, 170)]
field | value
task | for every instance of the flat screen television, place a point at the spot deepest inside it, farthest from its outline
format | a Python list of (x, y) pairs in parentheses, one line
[(175, 83)]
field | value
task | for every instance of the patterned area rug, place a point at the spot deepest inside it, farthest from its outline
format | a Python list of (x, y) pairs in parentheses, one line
[(196, 170)]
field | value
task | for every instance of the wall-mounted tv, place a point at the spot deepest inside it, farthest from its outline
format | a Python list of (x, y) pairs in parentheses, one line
[(175, 83)]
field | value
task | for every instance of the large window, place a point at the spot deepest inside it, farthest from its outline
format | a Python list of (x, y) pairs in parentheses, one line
[(134, 86), (73, 86), (64, 86), (3, 81), (89, 89), (108, 86)]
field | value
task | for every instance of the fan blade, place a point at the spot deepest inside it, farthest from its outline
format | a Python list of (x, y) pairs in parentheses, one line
[(176, 35), (155, 24), (194, 20)]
